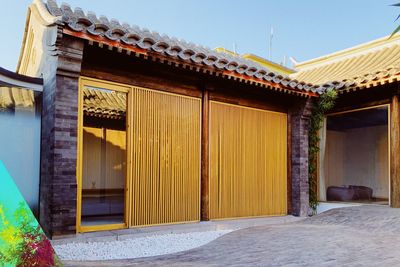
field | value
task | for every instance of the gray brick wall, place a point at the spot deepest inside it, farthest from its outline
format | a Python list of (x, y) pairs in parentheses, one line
[(58, 189), (300, 117)]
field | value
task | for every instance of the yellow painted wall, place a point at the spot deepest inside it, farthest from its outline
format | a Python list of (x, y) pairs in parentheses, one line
[(272, 66)]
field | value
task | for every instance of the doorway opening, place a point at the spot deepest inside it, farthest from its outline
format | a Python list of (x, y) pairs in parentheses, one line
[(103, 158), (354, 157)]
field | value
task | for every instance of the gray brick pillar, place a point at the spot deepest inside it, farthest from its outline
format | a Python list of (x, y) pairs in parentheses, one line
[(58, 188), (299, 120)]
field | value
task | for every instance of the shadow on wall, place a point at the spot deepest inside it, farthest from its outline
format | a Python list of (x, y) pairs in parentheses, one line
[(20, 143)]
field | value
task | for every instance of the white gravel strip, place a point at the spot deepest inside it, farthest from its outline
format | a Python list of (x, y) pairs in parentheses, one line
[(136, 247)]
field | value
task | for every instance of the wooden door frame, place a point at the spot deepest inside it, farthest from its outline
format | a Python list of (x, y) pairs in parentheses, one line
[(85, 81)]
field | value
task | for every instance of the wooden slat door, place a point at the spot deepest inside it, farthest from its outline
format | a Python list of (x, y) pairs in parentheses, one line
[(248, 162), (165, 158)]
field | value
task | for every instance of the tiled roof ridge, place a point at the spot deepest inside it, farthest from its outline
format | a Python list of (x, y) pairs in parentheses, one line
[(362, 66), (327, 62), (364, 80), (381, 75), (145, 39), (367, 47)]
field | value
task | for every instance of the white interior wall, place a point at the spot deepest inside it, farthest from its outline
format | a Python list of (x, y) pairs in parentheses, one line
[(358, 157), (334, 158), (366, 159)]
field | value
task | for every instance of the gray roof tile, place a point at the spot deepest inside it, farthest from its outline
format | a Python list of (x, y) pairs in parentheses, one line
[(78, 21)]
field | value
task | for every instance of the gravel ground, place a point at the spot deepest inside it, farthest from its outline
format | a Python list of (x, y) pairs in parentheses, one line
[(136, 247)]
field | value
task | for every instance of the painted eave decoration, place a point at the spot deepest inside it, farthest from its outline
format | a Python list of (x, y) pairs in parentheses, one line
[(152, 46), (22, 241)]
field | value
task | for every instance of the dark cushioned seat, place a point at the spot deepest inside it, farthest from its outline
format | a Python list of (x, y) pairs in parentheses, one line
[(348, 192)]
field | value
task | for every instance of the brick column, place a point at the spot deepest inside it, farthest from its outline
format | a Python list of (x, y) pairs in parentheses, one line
[(299, 120), (58, 188)]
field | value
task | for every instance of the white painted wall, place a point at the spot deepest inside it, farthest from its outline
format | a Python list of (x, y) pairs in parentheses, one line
[(20, 151)]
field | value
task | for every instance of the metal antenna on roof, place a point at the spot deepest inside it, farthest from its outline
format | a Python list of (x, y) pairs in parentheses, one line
[(294, 61), (271, 36), (234, 48)]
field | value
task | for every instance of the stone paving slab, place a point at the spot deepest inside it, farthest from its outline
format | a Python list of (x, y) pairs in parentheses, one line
[(356, 236)]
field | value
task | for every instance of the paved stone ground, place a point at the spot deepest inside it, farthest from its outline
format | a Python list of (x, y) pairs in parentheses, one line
[(354, 236)]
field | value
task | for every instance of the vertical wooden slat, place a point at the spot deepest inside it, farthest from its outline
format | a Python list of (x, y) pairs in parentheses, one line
[(248, 162), (128, 185)]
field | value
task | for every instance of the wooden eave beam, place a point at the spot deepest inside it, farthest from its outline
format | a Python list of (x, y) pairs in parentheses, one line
[(370, 84), (93, 38), (157, 57)]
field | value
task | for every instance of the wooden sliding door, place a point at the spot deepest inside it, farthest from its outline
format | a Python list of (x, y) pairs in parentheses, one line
[(248, 161), (165, 158)]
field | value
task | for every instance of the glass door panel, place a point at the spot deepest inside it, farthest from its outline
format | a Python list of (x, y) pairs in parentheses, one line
[(104, 145)]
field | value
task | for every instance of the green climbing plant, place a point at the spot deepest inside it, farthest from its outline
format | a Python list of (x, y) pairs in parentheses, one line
[(325, 103)]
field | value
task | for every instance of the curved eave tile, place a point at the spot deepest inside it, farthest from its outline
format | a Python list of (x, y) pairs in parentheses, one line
[(168, 46)]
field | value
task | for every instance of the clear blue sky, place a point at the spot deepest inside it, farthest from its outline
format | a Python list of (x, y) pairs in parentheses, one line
[(302, 29)]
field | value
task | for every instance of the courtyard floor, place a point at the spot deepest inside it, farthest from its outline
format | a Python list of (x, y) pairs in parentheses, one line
[(352, 236)]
